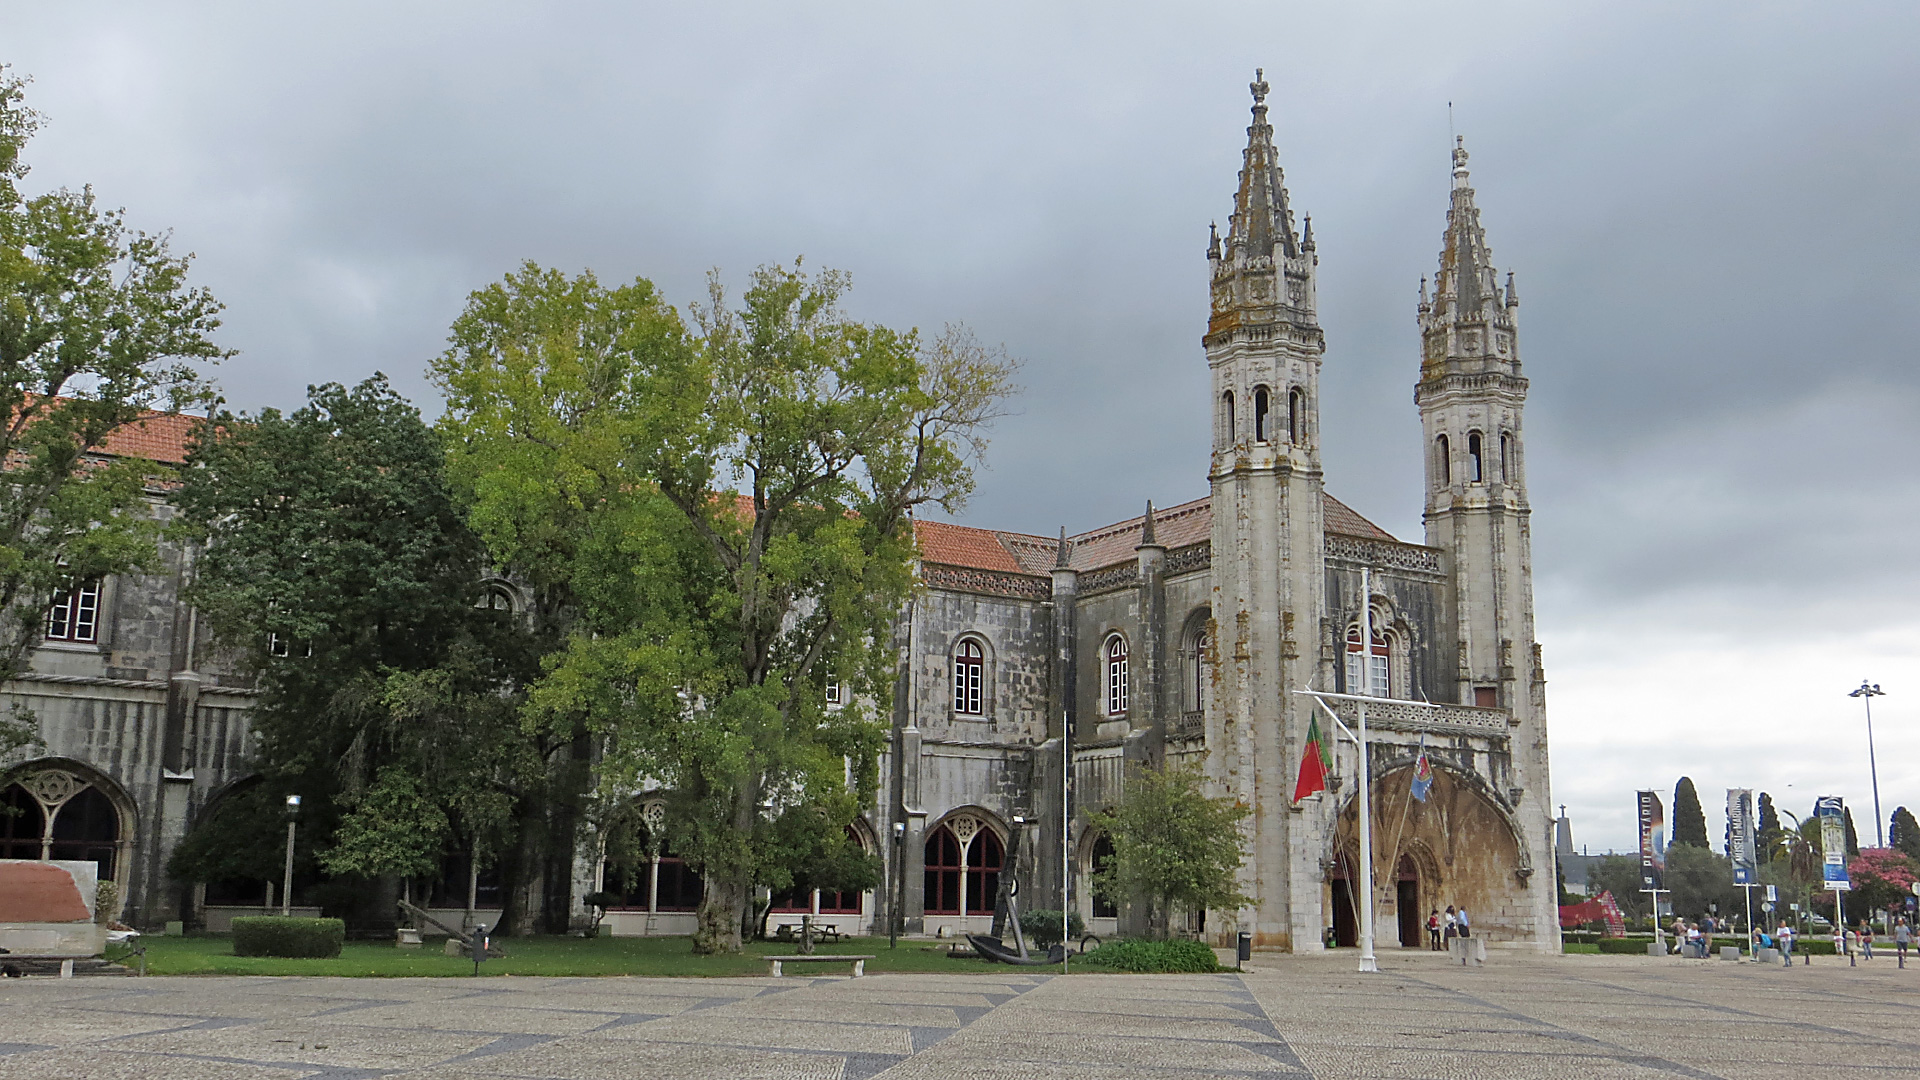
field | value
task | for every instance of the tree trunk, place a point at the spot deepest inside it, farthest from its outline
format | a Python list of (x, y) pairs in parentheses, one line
[(729, 888)]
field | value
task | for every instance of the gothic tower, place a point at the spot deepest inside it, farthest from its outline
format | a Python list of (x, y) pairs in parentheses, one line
[(1471, 396), (1263, 346)]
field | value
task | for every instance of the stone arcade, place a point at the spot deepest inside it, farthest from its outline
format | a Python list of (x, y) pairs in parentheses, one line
[(1178, 636)]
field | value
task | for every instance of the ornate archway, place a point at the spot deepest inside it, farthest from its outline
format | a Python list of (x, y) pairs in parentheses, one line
[(60, 809)]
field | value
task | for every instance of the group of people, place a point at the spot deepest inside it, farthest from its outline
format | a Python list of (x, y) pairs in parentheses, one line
[(1843, 940), (1695, 939), (1442, 929)]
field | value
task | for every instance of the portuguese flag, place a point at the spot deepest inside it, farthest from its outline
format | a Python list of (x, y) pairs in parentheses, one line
[(1314, 763)]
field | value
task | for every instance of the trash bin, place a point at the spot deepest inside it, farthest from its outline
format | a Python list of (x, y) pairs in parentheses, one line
[(1245, 945)]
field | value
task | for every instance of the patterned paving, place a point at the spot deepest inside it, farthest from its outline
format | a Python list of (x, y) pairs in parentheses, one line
[(1291, 1019)]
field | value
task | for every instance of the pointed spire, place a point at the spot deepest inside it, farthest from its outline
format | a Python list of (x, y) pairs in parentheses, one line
[(1423, 293), (1466, 270), (1213, 241), (1261, 221), (1306, 234), (1513, 298), (1061, 554), (1146, 527)]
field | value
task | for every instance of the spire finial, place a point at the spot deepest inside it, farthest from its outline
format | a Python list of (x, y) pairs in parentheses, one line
[(1513, 298), (1146, 527), (1213, 240), (1306, 240), (1459, 161), (1259, 87), (1060, 553)]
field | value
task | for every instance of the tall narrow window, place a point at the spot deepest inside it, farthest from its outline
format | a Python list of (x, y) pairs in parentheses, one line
[(1226, 414), (1296, 415), (1475, 474), (969, 676), (834, 693), (1197, 673), (1260, 404), (1444, 452), (1506, 458), (1116, 676), (75, 614), (1373, 662)]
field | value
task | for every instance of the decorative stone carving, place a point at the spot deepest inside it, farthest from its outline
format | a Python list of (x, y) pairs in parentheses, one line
[(53, 787)]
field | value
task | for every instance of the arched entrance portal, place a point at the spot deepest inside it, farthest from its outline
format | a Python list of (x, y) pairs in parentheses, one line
[(1346, 920), (1406, 901), (60, 813)]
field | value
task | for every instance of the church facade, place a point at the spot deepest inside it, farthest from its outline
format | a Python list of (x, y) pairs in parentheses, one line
[(1035, 670), (1182, 636)]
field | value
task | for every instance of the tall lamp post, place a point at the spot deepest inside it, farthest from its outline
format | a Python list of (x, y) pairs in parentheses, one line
[(286, 882), (1867, 692), (899, 884)]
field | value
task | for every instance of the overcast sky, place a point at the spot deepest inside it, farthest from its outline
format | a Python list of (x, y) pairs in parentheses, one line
[(1710, 210)]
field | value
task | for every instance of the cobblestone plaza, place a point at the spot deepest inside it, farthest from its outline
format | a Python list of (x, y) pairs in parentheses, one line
[(1579, 1016)]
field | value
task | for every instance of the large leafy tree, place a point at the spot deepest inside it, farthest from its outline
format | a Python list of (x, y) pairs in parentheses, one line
[(338, 564), (1689, 822), (1620, 875), (727, 504), (1173, 844), (97, 326)]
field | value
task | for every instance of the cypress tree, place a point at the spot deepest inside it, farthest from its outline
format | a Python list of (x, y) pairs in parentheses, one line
[(1689, 822), (1769, 817), (1853, 838), (1903, 832)]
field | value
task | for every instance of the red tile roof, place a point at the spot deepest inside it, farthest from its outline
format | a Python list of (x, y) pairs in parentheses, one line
[(161, 437), (1174, 527)]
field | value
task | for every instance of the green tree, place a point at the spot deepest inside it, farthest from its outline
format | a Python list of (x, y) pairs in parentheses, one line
[(97, 326), (1173, 844), (728, 507), (338, 565), (1689, 823), (1700, 878), (1853, 838), (1769, 835), (1903, 832), (1620, 875)]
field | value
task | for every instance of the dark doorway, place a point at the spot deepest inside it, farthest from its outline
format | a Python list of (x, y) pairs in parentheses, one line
[(1406, 901), (1346, 930)]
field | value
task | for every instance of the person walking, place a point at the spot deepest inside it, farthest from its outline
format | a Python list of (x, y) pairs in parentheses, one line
[(1902, 937), (1866, 940), (1785, 937), (1433, 930)]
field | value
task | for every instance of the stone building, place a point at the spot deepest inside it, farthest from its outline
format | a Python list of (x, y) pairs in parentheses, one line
[(1180, 635)]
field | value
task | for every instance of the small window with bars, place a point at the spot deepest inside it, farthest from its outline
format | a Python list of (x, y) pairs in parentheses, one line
[(75, 614)]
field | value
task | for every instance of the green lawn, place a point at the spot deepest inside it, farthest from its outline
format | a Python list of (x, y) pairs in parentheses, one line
[(213, 955), (1580, 947)]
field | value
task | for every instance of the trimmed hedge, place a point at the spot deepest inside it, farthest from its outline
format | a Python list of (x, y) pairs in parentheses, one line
[(1154, 957), (271, 935)]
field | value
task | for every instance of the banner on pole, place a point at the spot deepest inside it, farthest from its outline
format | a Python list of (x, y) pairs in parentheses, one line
[(1653, 842), (1831, 810), (1742, 846)]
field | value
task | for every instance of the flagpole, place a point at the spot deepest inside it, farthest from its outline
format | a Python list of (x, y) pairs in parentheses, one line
[(1367, 961)]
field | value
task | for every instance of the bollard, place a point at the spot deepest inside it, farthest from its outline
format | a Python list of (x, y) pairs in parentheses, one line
[(479, 946)]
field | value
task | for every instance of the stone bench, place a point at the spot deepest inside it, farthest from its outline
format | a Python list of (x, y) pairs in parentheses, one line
[(859, 962)]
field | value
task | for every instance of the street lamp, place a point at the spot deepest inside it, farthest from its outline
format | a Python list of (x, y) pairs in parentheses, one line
[(899, 883), (286, 883), (1867, 692)]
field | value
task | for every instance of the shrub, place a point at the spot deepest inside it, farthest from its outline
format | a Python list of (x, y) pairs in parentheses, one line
[(1629, 946), (1154, 957), (1042, 927), (106, 898), (271, 935)]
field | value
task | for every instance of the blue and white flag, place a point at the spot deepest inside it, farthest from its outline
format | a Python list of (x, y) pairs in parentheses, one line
[(1422, 773)]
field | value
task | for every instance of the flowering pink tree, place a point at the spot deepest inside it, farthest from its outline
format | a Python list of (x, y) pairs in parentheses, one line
[(1880, 876)]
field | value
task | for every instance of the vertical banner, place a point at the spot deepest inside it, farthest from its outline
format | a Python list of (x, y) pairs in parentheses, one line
[(1742, 845), (1653, 842), (1833, 840)]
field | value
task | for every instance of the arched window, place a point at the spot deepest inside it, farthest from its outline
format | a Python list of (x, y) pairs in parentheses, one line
[(55, 814), (969, 677), (1376, 659), (663, 882), (1506, 458), (1196, 680), (963, 859), (1296, 416), (1475, 473), (1226, 414), (1103, 907), (1260, 405), (496, 597), (75, 614), (1116, 676), (1444, 452)]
